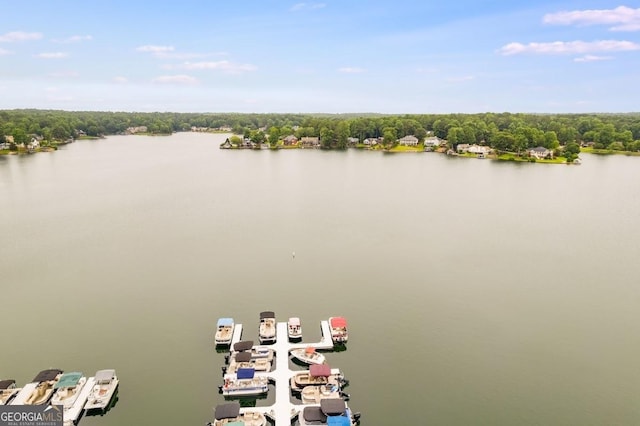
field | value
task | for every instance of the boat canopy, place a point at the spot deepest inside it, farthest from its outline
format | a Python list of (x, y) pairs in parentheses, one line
[(338, 322), (243, 345), (309, 350), (6, 384), (223, 322), (243, 357), (314, 414), (245, 373), (46, 375), (333, 406), (68, 380), (294, 321), (267, 314), (230, 410), (105, 375), (338, 421), (238, 423), (319, 370)]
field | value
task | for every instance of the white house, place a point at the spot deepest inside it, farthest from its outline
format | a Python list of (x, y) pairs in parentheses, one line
[(432, 142), (409, 140), (540, 152), (370, 141)]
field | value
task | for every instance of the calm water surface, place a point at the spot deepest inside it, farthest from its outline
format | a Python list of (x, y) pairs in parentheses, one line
[(477, 293)]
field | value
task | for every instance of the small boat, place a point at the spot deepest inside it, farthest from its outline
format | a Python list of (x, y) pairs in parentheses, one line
[(338, 326), (231, 414), (308, 355), (331, 411), (317, 375), (267, 329), (294, 329), (40, 390), (224, 331), (8, 391), (245, 360), (313, 394), (105, 385), (67, 389), (244, 382), (255, 351)]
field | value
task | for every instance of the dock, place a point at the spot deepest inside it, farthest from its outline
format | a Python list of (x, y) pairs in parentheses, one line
[(73, 413), (283, 410)]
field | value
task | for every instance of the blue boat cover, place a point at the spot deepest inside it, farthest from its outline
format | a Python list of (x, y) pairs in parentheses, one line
[(338, 421), (225, 321), (245, 373)]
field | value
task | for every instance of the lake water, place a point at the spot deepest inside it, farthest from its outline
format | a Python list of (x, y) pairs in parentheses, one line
[(477, 293)]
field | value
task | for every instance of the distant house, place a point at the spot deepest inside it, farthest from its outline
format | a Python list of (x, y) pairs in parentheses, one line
[(432, 142), (290, 140), (479, 149), (462, 148), (35, 143), (8, 139), (353, 141), (248, 143), (225, 128), (371, 141), (136, 129), (310, 142), (540, 153), (409, 140)]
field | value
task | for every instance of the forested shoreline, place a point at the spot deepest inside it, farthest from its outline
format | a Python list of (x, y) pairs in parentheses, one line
[(503, 132)]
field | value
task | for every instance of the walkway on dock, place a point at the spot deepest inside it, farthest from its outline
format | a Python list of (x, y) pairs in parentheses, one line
[(283, 410)]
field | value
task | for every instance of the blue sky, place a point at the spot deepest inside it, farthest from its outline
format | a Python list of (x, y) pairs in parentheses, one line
[(321, 56)]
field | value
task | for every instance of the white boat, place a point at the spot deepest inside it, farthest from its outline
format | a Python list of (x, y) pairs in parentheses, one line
[(104, 387), (331, 411), (294, 329), (67, 389), (313, 394), (256, 352), (308, 355), (8, 391), (338, 326), (267, 329), (244, 382), (317, 375), (40, 390), (245, 360), (231, 414), (224, 331)]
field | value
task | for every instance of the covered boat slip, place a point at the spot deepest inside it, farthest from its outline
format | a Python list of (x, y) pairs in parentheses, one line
[(73, 413)]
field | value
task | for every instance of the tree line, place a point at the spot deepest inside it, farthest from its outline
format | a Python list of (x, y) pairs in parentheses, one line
[(505, 132)]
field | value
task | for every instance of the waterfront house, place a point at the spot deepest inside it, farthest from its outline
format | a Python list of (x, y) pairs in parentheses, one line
[(479, 149), (462, 148), (290, 140), (540, 153), (408, 140), (310, 142), (432, 142), (353, 141), (35, 143), (371, 141)]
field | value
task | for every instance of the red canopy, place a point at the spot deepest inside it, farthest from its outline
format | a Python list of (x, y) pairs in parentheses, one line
[(319, 370), (338, 322)]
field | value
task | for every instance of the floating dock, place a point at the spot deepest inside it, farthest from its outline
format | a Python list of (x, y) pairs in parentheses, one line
[(283, 410)]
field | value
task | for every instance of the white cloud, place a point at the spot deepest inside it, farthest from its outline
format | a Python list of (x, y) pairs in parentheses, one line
[(307, 6), (569, 47), (19, 36), (120, 80), (592, 58), (5, 52), (52, 55), (621, 18), (64, 74), (224, 65), (351, 70), (155, 49), (74, 39), (175, 79)]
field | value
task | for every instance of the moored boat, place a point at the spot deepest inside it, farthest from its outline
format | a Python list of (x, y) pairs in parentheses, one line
[(294, 329), (317, 375), (224, 331), (338, 326), (105, 385), (67, 389), (244, 382), (308, 355), (267, 329), (40, 390), (313, 394), (231, 414), (331, 411), (245, 360), (256, 352), (8, 391)]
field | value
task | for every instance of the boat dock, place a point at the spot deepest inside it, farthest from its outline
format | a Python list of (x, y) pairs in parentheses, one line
[(283, 410), (73, 413)]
